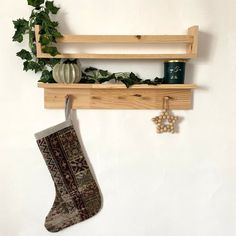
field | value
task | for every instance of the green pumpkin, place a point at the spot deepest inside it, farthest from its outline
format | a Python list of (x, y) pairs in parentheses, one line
[(67, 73)]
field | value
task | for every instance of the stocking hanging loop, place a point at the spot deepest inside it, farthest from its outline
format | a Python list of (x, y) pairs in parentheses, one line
[(68, 106)]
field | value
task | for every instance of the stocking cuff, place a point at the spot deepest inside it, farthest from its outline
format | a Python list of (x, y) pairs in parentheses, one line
[(53, 129)]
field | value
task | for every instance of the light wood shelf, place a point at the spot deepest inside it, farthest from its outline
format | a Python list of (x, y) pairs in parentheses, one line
[(190, 40), (117, 96)]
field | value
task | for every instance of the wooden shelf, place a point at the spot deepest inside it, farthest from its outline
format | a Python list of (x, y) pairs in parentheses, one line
[(191, 41), (117, 96)]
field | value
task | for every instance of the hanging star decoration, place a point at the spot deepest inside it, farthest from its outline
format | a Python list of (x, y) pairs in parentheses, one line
[(165, 121)]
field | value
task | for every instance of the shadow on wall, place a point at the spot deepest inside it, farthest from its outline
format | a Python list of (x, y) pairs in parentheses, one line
[(63, 25), (204, 48), (204, 53)]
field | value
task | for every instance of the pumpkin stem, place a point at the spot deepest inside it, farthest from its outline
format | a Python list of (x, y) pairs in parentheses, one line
[(69, 61)]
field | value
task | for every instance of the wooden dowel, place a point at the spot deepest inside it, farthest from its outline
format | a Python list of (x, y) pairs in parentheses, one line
[(145, 39)]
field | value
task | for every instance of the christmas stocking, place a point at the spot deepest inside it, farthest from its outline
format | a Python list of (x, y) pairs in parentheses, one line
[(77, 194)]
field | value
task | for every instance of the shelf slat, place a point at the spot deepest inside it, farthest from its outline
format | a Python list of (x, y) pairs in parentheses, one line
[(117, 96), (176, 39), (118, 56)]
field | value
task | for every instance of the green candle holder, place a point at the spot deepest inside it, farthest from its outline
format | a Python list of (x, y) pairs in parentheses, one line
[(174, 72)]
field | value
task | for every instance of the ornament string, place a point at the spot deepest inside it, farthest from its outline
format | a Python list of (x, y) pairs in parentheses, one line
[(165, 121)]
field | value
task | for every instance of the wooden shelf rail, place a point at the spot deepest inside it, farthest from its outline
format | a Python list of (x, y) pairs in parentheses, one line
[(191, 41), (117, 96)]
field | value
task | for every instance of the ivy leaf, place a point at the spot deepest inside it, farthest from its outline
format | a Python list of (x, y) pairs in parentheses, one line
[(50, 7), (51, 33), (127, 81), (47, 77), (50, 61), (105, 79), (38, 20), (54, 24), (33, 49), (89, 81), (158, 80), (45, 39), (17, 37), (51, 50), (24, 54), (26, 63), (134, 78), (53, 61), (148, 81), (56, 35), (21, 26), (104, 72), (42, 18), (41, 64), (131, 80), (31, 38), (35, 3), (86, 79), (32, 65)]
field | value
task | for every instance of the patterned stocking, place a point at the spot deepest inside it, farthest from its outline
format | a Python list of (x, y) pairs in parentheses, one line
[(77, 194)]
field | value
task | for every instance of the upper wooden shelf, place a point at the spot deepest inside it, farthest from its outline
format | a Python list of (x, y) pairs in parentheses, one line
[(117, 96), (190, 40)]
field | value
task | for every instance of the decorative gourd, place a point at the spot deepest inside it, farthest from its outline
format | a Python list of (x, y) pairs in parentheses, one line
[(67, 72)]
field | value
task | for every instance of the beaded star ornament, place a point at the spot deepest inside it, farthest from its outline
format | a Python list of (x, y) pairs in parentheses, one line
[(165, 121)]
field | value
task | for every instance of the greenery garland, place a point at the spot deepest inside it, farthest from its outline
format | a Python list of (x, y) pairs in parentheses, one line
[(94, 75), (41, 15)]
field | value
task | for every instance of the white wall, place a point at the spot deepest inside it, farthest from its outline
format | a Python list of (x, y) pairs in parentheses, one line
[(170, 185)]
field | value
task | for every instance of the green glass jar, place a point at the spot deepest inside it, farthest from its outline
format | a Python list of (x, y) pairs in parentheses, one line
[(174, 72)]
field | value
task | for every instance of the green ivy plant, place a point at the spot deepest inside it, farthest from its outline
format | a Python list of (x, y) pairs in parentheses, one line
[(94, 75), (24, 29)]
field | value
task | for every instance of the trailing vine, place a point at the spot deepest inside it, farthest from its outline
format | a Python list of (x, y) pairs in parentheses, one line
[(41, 14), (94, 75)]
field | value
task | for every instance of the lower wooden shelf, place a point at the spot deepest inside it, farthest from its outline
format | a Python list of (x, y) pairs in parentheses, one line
[(117, 96)]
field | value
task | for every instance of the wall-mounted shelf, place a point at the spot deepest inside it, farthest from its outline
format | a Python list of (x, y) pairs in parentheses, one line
[(190, 40), (117, 96)]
